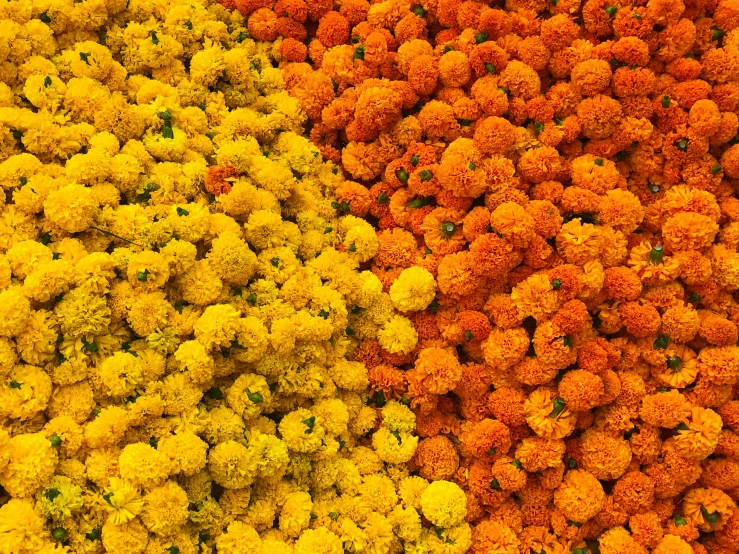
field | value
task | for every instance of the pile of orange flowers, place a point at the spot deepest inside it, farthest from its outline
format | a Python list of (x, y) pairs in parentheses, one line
[(554, 187)]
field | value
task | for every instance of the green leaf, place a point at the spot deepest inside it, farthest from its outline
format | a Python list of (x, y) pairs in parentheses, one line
[(254, 397), (558, 406)]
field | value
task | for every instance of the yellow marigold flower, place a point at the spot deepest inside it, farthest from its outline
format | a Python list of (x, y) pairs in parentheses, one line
[(186, 451), (22, 529), (72, 207), (295, 516), (231, 465), (231, 258), (302, 431), (147, 271), (15, 311), (394, 447), (444, 504), (24, 256), (32, 461), (318, 541), (351, 376), (398, 335), (81, 314), (249, 395), (126, 538), (121, 374), (121, 500), (413, 290), (143, 465), (271, 454), (165, 509), (25, 393)]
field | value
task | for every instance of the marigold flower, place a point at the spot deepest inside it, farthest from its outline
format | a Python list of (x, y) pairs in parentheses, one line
[(437, 459), (548, 415)]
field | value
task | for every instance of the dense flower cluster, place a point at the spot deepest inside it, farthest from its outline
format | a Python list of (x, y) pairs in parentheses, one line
[(486, 303), (554, 187)]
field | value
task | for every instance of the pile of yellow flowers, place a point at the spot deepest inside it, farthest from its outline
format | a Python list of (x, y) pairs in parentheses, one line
[(179, 297)]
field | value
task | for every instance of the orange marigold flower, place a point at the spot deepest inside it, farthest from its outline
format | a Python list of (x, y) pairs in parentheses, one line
[(622, 283), (492, 536), (395, 249), (513, 222), (355, 11), (262, 25), (486, 439), (357, 196), (494, 135), (599, 116), (293, 50), (442, 231), (665, 409), (333, 29), (454, 69), (579, 242), (411, 27), (472, 325), (530, 371), (436, 371), (580, 496), (709, 508), (388, 380), (437, 458), (698, 438), (548, 415), (634, 492), (540, 164), (456, 275), (505, 348), (552, 347), (718, 330), (581, 390), (604, 454), (423, 179), (571, 317), (423, 74), (437, 121), (598, 355), (506, 404), (481, 483), (219, 179), (369, 353), (641, 320)]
